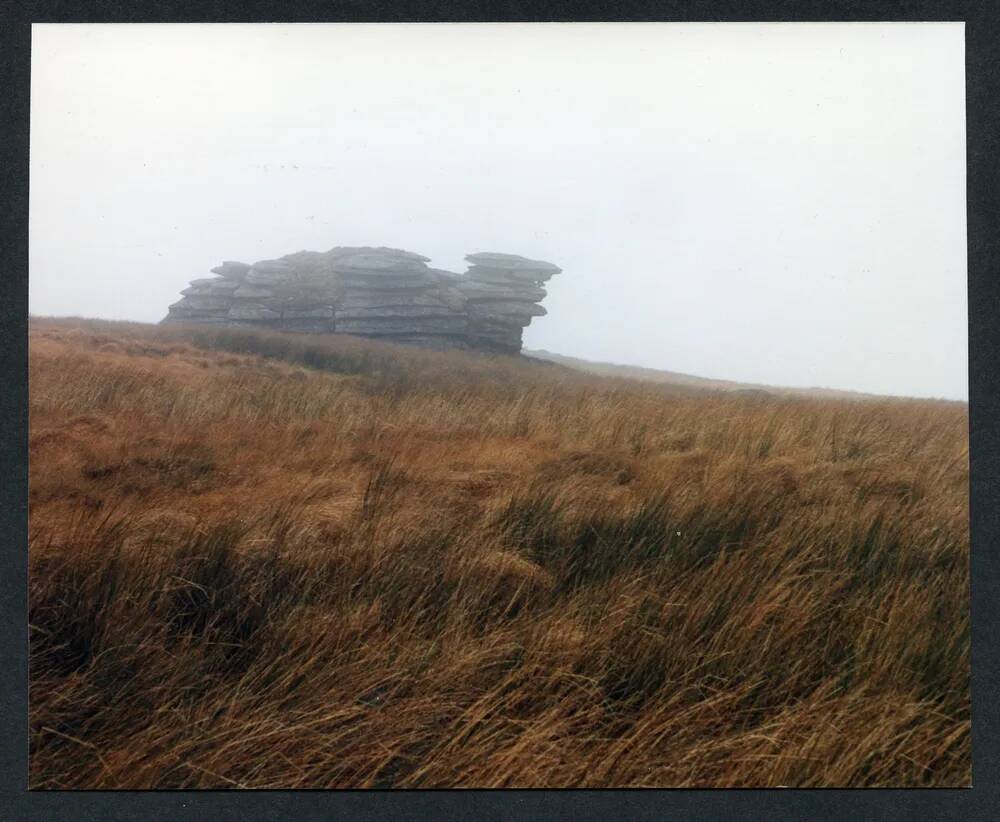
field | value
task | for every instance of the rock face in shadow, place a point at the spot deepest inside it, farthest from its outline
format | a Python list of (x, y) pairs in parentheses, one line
[(383, 293)]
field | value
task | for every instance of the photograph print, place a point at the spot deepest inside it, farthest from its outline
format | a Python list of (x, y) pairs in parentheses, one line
[(549, 405)]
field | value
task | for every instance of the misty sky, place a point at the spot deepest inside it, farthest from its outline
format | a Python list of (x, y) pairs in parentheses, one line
[(781, 204)]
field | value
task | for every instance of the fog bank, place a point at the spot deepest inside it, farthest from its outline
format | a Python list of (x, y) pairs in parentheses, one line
[(779, 204)]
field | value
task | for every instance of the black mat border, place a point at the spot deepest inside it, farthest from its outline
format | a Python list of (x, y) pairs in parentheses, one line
[(983, 185)]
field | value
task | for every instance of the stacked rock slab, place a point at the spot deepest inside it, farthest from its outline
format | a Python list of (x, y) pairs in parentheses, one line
[(392, 294), (502, 292), (382, 293)]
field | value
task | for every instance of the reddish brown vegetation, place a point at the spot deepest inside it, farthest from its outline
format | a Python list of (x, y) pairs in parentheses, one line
[(269, 561)]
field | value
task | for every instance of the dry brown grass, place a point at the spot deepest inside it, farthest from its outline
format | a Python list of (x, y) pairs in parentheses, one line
[(270, 561)]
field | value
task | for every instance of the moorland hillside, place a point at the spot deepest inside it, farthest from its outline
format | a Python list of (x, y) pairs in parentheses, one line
[(272, 561)]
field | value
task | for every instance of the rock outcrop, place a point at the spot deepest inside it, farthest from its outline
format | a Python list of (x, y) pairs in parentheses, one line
[(384, 293), (502, 292)]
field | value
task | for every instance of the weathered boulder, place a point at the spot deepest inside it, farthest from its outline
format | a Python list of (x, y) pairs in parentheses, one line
[(511, 262), (511, 309), (250, 311), (366, 265), (202, 302), (232, 269), (507, 276), (300, 313), (394, 311), (391, 326), (215, 283), (183, 312), (270, 272), (447, 277), (253, 292), (389, 299), (477, 292), (380, 292), (198, 319), (310, 265), (352, 280), (341, 251)]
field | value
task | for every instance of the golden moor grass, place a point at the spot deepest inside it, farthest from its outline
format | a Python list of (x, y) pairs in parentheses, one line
[(269, 561)]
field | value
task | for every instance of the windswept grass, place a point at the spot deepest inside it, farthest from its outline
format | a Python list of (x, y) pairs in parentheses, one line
[(260, 560)]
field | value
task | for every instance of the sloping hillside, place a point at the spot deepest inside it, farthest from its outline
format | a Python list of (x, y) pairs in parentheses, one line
[(635, 372), (273, 561)]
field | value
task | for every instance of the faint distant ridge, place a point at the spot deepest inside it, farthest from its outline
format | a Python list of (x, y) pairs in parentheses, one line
[(385, 293), (635, 372)]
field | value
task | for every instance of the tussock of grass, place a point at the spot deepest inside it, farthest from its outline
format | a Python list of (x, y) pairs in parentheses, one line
[(261, 560)]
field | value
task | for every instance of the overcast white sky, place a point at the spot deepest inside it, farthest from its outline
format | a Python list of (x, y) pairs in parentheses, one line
[(780, 203)]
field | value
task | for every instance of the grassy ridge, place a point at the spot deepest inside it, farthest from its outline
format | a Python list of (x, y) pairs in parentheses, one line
[(261, 560)]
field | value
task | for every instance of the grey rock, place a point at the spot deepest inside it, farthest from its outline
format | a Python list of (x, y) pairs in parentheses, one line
[(270, 323), (200, 320), (511, 339), (512, 320), (509, 276), (511, 261), (256, 276), (302, 313), (532, 276), (250, 311), (374, 263), (390, 299), (211, 287), (310, 264), (320, 294), (248, 291), (495, 328), (204, 303), (379, 292), (493, 276), (393, 312), (270, 272), (274, 303), (475, 291), (356, 282), (519, 309), (274, 266), (231, 269), (193, 313), (382, 275), (451, 297), (340, 252)]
